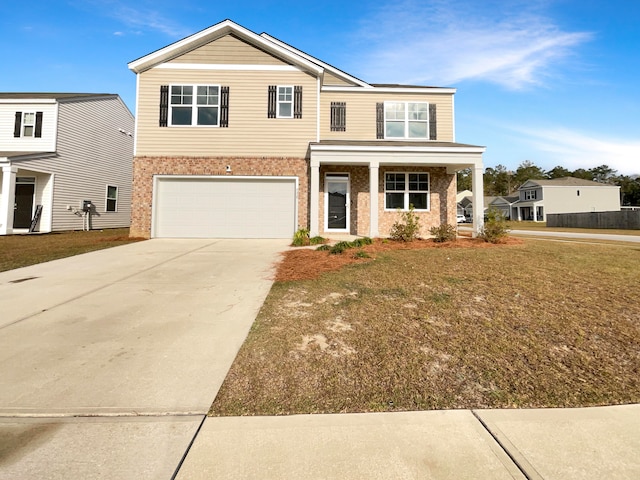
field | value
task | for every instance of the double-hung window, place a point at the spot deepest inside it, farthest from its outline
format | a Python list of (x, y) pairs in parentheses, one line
[(285, 102), (404, 189), (28, 124), (112, 198), (530, 195), (406, 120), (195, 105)]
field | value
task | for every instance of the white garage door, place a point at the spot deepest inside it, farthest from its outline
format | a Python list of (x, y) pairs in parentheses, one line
[(224, 207)]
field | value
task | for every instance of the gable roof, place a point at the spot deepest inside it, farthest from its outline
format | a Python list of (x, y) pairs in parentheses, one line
[(564, 182), (50, 96), (214, 32), (278, 49)]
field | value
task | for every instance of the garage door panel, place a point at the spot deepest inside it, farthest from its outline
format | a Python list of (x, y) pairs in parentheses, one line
[(224, 208)]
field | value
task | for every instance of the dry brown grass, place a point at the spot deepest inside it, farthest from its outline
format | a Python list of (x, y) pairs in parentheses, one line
[(537, 324), (22, 250)]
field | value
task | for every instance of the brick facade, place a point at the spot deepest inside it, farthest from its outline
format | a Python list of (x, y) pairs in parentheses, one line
[(144, 169), (442, 197), (442, 189)]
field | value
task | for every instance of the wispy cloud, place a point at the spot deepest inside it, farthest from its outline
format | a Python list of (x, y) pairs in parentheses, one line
[(574, 149), (144, 16), (446, 42)]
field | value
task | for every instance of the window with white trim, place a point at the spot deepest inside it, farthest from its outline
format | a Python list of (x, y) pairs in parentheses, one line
[(285, 102), (194, 105), (404, 189), (28, 124), (112, 198), (406, 120), (530, 195)]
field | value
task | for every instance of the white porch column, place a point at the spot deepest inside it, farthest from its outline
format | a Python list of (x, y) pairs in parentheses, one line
[(535, 212), (373, 198), (7, 199), (314, 199), (478, 200)]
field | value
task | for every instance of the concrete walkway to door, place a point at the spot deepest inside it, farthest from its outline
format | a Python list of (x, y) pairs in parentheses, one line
[(110, 360)]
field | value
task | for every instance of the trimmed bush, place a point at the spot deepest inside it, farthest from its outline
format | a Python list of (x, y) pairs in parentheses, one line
[(407, 229), (495, 227), (444, 233)]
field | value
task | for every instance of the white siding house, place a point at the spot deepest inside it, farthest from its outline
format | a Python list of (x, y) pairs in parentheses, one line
[(539, 198), (58, 151)]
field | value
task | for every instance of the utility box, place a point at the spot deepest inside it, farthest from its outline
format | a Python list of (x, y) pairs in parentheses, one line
[(86, 205)]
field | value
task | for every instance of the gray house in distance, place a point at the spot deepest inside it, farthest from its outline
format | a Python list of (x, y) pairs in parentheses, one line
[(65, 162), (539, 198)]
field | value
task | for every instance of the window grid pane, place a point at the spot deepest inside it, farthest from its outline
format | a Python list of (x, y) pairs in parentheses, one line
[(406, 119)]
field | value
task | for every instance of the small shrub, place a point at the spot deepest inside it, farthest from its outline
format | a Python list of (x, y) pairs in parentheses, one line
[(495, 227), (443, 233), (361, 242), (340, 247), (324, 248), (317, 240), (300, 238), (361, 254), (407, 229)]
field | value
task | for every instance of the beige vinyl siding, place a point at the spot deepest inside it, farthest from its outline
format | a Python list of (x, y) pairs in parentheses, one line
[(591, 199), (91, 154), (228, 50), (330, 79), (361, 113), (46, 143), (250, 132)]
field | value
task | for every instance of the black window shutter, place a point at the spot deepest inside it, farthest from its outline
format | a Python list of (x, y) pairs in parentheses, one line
[(38, 130), (271, 101), (297, 101), (380, 120), (224, 106), (432, 122), (164, 105), (338, 116), (18, 125)]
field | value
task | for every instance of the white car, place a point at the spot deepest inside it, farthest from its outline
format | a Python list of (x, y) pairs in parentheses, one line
[(461, 218)]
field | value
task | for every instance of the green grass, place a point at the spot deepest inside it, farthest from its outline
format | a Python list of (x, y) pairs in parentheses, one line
[(542, 226), (541, 324), (23, 250)]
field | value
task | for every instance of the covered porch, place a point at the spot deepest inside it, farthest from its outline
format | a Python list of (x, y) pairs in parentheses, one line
[(423, 174)]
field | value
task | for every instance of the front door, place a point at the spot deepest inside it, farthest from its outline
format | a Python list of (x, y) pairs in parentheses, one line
[(337, 201), (24, 205)]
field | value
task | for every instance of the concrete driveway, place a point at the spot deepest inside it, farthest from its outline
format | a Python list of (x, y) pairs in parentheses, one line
[(135, 339)]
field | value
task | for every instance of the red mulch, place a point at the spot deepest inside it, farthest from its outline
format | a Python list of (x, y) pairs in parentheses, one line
[(307, 264)]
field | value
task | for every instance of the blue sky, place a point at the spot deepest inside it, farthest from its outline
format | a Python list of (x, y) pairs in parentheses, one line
[(556, 82)]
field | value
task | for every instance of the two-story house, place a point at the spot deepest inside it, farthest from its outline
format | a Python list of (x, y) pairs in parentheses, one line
[(539, 198), (65, 162), (242, 135)]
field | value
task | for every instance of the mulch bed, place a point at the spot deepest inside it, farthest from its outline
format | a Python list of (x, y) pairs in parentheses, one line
[(307, 263)]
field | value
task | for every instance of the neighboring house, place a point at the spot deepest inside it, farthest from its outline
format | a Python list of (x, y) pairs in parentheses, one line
[(241, 135), (58, 150), (465, 205), (539, 198), (505, 205)]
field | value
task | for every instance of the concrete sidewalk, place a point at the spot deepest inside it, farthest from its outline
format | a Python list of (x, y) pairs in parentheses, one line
[(562, 444)]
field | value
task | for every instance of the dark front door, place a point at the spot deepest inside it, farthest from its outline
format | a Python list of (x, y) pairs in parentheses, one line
[(24, 205), (337, 204)]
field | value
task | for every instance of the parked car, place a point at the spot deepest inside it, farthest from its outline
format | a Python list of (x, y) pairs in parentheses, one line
[(461, 218)]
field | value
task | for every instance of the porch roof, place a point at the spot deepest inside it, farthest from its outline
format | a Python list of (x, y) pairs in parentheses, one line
[(454, 156)]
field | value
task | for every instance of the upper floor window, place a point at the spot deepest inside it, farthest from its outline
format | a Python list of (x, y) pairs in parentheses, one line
[(530, 195), (195, 105), (406, 119), (404, 189), (28, 124), (112, 198), (284, 101)]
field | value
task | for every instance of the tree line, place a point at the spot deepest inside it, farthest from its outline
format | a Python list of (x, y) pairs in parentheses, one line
[(499, 181)]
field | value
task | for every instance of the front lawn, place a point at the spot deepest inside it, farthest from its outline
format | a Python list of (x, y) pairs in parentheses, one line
[(535, 324), (22, 250)]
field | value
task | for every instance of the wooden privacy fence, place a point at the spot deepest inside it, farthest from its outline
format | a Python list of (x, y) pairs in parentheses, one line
[(623, 220)]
